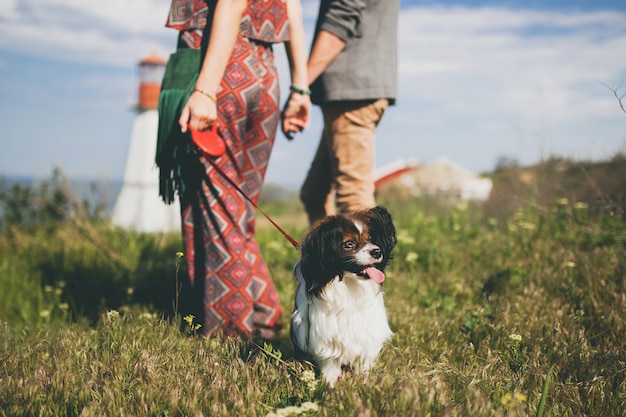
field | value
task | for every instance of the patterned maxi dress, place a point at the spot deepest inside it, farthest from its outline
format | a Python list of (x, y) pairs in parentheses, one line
[(229, 280)]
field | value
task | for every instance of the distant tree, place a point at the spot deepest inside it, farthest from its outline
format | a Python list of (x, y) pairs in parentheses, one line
[(618, 96), (37, 203), (506, 162)]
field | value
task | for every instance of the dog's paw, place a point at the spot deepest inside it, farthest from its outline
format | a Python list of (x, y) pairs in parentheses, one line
[(330, 372)]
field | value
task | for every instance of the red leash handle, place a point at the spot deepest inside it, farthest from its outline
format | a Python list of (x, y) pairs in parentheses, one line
[(208, 140)]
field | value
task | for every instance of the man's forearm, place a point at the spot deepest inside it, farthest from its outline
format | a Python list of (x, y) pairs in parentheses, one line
[(325, 49)]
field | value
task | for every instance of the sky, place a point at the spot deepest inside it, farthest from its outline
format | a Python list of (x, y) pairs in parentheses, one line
[(479, 81)]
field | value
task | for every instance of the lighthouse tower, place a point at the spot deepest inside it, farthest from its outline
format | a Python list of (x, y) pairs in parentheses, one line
[(139, 206)]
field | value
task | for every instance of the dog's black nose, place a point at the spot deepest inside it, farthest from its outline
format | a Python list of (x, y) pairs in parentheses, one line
[(376, 253)]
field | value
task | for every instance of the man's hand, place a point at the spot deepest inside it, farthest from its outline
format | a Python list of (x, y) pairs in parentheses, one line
[(296, 114)]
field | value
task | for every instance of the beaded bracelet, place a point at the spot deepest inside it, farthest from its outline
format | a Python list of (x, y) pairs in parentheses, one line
[(210, 96), (299, 90)]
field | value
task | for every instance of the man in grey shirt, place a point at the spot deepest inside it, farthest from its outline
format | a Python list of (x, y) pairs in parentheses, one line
[(353, 71)]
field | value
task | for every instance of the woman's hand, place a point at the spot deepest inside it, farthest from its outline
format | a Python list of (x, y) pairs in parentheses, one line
[(200, 112)]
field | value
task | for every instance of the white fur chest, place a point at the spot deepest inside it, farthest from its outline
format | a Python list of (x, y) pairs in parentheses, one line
[(348, 323)]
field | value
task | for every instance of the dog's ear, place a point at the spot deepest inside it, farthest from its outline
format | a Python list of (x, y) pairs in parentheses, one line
[(382, 229), (321, 248)]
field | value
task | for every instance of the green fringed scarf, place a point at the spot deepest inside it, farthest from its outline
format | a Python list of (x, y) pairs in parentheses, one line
[(173, 146)]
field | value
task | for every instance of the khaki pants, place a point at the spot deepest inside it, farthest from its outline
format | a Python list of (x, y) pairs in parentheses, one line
[(342, 171)]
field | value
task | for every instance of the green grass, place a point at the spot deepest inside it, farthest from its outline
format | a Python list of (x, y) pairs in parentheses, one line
[(523, 315)]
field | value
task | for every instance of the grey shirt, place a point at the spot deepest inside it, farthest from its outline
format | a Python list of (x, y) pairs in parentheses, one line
[(367, 68)]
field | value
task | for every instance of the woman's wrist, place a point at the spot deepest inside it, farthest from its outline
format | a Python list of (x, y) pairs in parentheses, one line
[(207, 94)]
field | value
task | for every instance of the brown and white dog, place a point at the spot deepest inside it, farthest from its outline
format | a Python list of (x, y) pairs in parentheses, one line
[(340, 318)]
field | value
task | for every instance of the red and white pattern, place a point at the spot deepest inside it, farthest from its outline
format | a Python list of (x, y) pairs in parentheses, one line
[(218, 223), (263, 20), (188, 14), (266, 21)]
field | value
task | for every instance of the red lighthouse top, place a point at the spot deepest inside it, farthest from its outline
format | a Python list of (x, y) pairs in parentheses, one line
[(151, 69)]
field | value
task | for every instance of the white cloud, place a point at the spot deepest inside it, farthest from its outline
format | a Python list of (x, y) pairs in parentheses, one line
[(115, 31), (7, 8), (519, 80)]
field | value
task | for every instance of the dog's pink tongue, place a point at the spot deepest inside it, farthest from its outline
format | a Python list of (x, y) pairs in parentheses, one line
[(375, 274)]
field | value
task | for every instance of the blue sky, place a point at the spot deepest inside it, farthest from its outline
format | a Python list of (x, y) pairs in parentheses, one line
[(478, 80)]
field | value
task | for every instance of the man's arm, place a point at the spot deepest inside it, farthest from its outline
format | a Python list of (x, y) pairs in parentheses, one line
[(325, 49)]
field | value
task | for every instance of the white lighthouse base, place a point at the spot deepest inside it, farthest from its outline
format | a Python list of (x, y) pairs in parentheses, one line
[(139, 206)]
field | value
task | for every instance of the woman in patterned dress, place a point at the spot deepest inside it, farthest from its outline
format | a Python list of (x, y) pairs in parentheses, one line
[(236, 87)]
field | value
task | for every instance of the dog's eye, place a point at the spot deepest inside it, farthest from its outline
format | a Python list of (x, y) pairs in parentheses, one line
[(349, 244)]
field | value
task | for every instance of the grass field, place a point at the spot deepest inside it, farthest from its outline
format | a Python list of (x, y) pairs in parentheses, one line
[(514, 312)]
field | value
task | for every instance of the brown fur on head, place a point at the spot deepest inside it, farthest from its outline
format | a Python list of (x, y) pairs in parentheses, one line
[(332, 244)]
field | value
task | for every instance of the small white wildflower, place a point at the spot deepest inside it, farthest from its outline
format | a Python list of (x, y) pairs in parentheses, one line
[(48, 289), (404, 237), (412, 256), (44, 314), (130, 290), (112, 314), (309, 406), (64, 306), (308, 377), (515, 337), (570, 264), (293, 410), (581, 205), (147, 316), (562, 201), (288, 411)]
